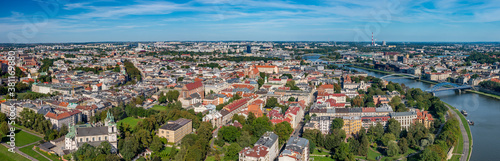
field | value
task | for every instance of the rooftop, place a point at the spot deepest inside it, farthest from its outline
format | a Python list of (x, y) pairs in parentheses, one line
[(175, 125)]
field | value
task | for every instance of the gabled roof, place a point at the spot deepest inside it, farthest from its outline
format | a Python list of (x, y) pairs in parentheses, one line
[(62, 115), (194, 85)]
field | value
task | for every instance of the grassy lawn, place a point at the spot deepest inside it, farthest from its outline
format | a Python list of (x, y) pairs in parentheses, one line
[(29, 151), (399, 156), (455, 158), (210, 158), (467, 128), (159, 108), (23, 138), (168, 149), (460, 146), (5, 155), (129, 120), (26, 129), (486, 94), (372, 154), (323, 152), (317, 158), (54, 157)]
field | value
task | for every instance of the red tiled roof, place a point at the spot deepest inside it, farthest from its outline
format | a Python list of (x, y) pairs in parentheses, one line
[(236, 104), (62, 115), (63, 104), (194, 85), (265, 66), (368, 109)]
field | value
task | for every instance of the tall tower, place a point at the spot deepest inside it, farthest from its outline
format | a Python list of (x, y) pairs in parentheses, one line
[(373, 44)]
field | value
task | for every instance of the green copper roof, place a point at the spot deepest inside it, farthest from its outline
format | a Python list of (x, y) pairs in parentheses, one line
[(71, 131)]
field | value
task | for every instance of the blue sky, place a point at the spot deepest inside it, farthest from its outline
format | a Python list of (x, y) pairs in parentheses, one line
[(30, 21)]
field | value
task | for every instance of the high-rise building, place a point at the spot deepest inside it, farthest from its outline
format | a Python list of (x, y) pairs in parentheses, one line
[(383, 43), (249, 49)]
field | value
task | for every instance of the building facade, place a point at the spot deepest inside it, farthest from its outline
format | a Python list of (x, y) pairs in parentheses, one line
[(266, 148), (80, 134), (174, 131)]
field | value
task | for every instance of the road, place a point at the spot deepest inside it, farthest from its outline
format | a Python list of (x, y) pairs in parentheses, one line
[(465, 152), (298, 130)]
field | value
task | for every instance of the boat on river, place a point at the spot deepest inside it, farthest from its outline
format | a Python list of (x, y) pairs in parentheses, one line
[(470, 122), (464, 113)]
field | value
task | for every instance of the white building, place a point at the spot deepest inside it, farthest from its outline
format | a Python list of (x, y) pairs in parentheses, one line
[(404, 118), (78, 135)]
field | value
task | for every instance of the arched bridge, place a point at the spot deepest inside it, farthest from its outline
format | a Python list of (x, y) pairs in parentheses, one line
[(399, 76), (447, 86)]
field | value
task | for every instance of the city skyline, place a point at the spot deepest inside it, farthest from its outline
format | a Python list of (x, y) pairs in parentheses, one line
[(221, 20)]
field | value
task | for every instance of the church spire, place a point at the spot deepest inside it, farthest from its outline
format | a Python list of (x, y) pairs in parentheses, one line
[(110, 118)]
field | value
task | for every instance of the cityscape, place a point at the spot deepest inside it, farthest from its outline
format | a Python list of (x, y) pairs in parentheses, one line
[(249, 81)]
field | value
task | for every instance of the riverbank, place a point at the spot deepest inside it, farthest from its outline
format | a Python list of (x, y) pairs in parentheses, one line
[(484, 94), (427, 81), (386, 72), (373, 70), (466, 127)]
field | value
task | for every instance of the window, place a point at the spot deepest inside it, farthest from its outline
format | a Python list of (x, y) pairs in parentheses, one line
[(105, 138), (99, 138), (87, 139), (80, 139), (93, 139)]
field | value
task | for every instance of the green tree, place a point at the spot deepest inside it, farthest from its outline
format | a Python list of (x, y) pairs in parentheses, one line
[(390, 87), (394, 127), (392, 149), (387, 138), (3, 117), (403, 145), (429, 155), (130, 148), (232, 152), (245, 139), (262, 75), (260, 82), (4, 128), (337, 87), (283, 130), (357, 102), (271, 102), (343, 153), (156, 144), (104, 147), (172, 95), (337, 123), (291, 99), (229, 133)]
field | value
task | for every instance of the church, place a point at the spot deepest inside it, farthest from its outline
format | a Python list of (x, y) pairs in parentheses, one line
[(80, 134)]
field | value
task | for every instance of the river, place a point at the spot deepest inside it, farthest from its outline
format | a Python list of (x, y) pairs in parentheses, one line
[(483, 110)]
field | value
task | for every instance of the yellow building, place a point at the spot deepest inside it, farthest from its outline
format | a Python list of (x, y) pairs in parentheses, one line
[(174, 131), (352, 125)]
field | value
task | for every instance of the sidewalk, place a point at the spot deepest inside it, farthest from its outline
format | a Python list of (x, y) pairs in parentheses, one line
[(464, 135)]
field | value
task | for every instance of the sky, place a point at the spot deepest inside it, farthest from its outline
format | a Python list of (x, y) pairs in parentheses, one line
[(54, 21)]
